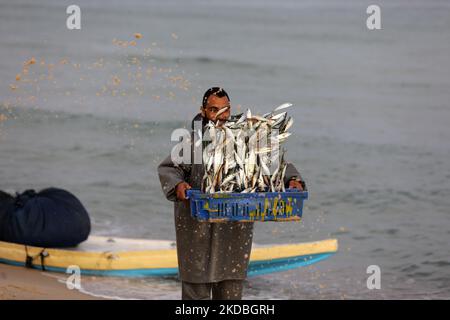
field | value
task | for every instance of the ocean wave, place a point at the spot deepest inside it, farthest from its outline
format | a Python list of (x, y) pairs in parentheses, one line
[(439, 263), (217, 62), (41, 114)]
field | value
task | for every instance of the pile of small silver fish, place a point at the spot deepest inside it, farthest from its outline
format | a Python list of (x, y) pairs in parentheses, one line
[(244, 154)]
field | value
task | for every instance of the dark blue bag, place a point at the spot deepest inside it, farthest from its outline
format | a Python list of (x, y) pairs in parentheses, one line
[(49, 218)]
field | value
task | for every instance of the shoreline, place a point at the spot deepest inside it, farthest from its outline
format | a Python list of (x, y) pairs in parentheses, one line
[(19, 283)]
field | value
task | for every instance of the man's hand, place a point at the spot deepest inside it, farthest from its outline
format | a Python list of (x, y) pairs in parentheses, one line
[(181, 190), (294, 184)]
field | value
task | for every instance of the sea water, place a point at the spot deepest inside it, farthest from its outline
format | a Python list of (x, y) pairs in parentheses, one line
[(95, 111)]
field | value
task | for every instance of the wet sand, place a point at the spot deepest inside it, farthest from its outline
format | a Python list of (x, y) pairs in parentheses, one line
[(18, 283)]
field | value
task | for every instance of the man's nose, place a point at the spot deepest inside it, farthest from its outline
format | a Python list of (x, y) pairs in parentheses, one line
[(225, 115)]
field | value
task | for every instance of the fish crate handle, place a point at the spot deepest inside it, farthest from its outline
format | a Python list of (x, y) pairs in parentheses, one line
[(189, 192)]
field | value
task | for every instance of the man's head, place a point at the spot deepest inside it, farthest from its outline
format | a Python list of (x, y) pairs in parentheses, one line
[(214, 100)]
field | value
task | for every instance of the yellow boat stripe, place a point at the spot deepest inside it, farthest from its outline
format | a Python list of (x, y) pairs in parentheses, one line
[(293, 250), (147, 259)]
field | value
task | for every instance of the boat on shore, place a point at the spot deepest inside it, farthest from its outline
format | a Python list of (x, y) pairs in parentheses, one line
[(122, 257)]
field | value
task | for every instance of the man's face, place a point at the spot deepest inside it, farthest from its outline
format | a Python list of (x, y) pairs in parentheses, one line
[(213, 105)]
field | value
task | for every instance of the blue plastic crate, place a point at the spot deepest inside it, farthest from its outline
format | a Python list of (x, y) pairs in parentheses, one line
[(260, 206)]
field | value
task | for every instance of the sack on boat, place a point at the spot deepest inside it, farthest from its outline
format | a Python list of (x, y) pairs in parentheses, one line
[(49, 218)]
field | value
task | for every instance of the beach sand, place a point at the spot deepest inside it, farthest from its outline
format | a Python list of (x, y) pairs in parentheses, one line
[(19, 283)]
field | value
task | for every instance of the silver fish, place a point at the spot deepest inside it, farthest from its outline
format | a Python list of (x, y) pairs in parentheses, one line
[(222, 111), (242, 153), (283, 106)]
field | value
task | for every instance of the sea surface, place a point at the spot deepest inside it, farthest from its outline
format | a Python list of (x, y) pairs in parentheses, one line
[(92, 111)]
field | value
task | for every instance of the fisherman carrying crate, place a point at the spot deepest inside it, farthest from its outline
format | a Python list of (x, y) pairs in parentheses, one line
[(212, 257)]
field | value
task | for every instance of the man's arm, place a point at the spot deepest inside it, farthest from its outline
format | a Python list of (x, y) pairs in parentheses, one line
[(173, 179)]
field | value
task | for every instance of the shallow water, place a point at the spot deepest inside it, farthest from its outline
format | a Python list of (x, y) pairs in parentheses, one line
[(371, 135)]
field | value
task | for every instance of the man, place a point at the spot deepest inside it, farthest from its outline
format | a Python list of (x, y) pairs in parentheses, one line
[(212, 257)]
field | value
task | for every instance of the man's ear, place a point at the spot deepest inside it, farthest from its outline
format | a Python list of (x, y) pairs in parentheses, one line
[(202, 110)]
